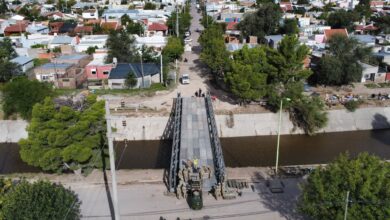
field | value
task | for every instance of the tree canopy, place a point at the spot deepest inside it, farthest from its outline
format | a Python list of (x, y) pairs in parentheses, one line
[(40, 200), (365, 177), (65, 136), (342, 65), (8, 69), (214, 53), (121, 46), (263, 22), (131, 80), (184, 21), (342, 19), (21, 94), (149, 6), (289, 27), (174, 49)]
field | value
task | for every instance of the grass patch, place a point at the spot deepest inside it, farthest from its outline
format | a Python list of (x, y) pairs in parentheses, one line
[(148, 91), (384, 85), (372, 85), (66, 92), (352, 105)]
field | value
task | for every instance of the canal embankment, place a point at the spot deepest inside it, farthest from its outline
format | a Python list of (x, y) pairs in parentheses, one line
[(230, 125), (248, 125)]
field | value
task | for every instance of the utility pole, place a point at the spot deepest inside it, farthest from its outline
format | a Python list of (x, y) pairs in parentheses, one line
[(177, 21), (278, 140), (346, 206), (112, 163), (142, 72), (161, 69)]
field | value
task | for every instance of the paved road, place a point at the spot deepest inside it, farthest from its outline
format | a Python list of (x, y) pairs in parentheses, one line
[(146, 201)]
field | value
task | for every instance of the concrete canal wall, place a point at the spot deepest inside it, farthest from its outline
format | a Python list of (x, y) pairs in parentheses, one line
[(241, 125), (234, 125)]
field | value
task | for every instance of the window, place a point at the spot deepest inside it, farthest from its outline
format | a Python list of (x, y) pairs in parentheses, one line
[(124, 123), (106, 72), (44, 77), (65, 80), (122, 104), (93, 71)]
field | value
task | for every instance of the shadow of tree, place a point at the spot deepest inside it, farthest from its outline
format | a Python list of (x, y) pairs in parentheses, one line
[(107, 187), (380, 122), (284, 203)]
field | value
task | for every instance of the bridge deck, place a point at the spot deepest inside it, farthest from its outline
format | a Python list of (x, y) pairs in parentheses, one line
[(195, 138)]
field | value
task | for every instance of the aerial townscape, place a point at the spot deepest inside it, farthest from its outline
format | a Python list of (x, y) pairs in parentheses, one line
[(195, 109)]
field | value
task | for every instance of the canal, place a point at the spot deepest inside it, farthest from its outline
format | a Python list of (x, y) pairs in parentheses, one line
[(238, 152)]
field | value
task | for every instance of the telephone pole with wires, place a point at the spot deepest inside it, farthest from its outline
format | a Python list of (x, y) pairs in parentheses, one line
[(177, 20), (112, 162)]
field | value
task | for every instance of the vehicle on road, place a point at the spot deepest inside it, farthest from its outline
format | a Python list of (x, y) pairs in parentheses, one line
[(188, 40), (185, 79), (275, 185), (187, 33)]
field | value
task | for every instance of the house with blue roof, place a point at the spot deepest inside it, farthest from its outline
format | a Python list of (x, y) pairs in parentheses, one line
[(24, 62), (146, 74)]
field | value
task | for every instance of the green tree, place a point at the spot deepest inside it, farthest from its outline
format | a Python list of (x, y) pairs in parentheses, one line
[(247, 77), (383, 23), (342, 19), (21, 94), (365, 177), (214, 52), (184, 21), (342, 65), (40, 200), (289, 27), (149, 6), (263, 22), (206, 20), (7, 52), (135, 28), (121, 46), (174, 49), (3, 8), (61, 138), (125, 19), (303, 2), (91, 50), (131, 80)]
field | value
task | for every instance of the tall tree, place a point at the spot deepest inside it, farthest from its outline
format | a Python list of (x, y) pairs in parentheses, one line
[(40, 200), (342, 19), (131, 80), (184, 21), (174, 49), (149, 6), (263, 22), (342, 65), (7, 68), (289, 27), (121, 46), (365, 177), (21, 94), (383, 23), (69, 136), (214, 52)]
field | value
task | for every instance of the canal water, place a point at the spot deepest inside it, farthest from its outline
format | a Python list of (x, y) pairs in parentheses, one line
[(238, 152)]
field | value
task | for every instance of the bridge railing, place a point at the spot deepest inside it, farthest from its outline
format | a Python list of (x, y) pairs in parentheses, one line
[(215, 143), (172, 181)]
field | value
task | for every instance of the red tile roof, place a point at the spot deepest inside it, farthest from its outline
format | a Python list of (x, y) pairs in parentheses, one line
[(83, 29), (112, 25), (286, 6), (16, 28), (157, 27), (231, 25), (369, 27), (376, 3), (331, 32)]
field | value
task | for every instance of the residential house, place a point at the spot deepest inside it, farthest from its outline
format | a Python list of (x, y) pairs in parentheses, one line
[(119, 73), (34, 39), (47, 8), (24, 62), (37, 28), (156, 29), (62, 27), (232, 34), (79, 60), (365, 29), (372, 73), (328, 34), (367, 40), (58, 41), (90, 14), (16, 29), (83, 30), (86, 41), (157, 42), (97, 71), (273, 40), (110, 25), (62, 75)]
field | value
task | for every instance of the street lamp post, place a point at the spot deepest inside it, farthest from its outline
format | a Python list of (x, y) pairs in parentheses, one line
[(142, 71), (278, 139)]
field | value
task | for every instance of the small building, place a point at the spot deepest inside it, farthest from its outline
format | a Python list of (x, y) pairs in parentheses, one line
[(371, 73), (79, 60), (367, 40), (98, 41), (58, 41), (119, 73), (156, 42), (328, 34), (16, 29), (90, 14), (97, 71), (157, 29), (62, 75), (24, 62)]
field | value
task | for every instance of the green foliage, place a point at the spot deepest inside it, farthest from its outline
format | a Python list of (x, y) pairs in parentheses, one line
[(184, 21), (131, 80), (206, 20), (342, 65), (263, 22), (91, 50), (7, 52), (40, 200), (214, 52), (21, 94), (60, 138), (342, 19), (352, 105), (303, 2), (5, 186), (174, 49), (289, 27), (8, 70), (61, 5), (365, 177), (39, 62), (3, 8), (383, 23), (149, 6), (56, 50), (308, 114), (38, 46), (131, 26), (121, 46), (248, 73)]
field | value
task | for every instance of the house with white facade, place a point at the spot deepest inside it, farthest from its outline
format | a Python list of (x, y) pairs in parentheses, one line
[(86, 41), (146, 75)]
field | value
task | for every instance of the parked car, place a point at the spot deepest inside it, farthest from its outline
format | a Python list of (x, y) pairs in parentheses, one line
[(275, 185), (185, 79)]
